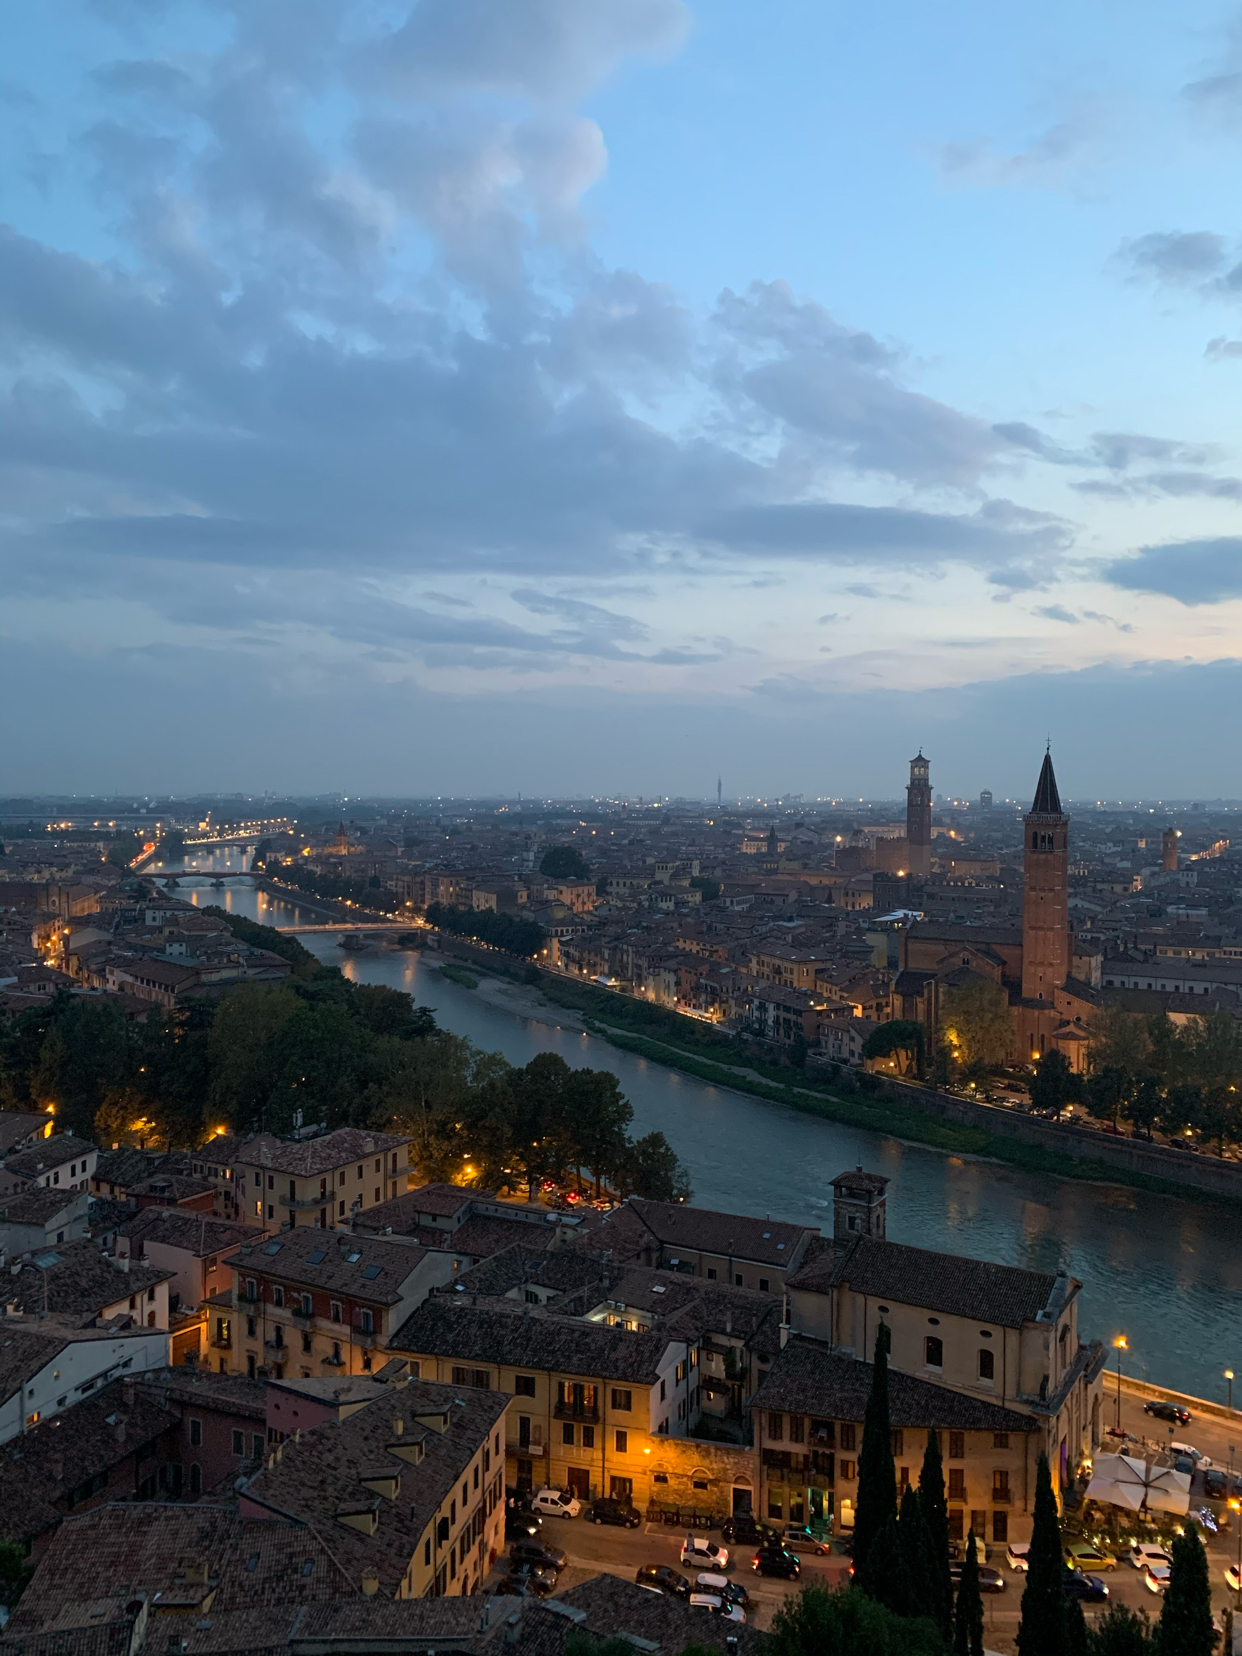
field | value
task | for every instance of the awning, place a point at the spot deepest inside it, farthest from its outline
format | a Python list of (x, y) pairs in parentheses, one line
[(1123, 1481)]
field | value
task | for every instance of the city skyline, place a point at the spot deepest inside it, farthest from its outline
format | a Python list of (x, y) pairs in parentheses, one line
[(418, 403)]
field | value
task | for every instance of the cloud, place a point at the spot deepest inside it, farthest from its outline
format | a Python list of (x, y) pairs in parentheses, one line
[(1175, 255), (1221, 349), (1056, 151), (1219, 95), (1058, 612), (1194, 572)]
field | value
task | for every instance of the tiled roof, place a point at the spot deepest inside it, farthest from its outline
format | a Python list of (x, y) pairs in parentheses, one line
[(321, 1474), (127, 1166), (700, 1230), (607, 1607), (192, 1384), (38, 1468), (365, 1267), (445, 1200), (558, 1270), (24, 1351), (47, 1154), (481, 1237), (198, 1233), (1007, 1295), (38, 1204), (309, 1157), (17, 1125), (445, 1326), (80, 1280), (806, 1378)]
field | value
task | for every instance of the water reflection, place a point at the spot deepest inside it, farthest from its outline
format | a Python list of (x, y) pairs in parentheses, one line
[(1167, 1271)]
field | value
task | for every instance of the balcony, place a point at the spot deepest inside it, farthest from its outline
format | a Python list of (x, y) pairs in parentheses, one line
[(299, 1204), (527, 1451), (1002, 1497), (276, 1345), (364, 1337), (222, 1341), (302, 1313), (333, 1362), (586, 1413)]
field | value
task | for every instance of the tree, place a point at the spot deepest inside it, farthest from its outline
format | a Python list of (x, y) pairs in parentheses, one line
[(1121, 1631), (1145, 1105), (710, 888), (1053, 1083), (1106, 1092), (1119, 1039), (968, 1611), (1185, 1625), (15, 1572), (877, 1476), (935, 1510), (901, 1038), (818, 1622), (650, 1168), (598, 1114), (1042, 1631), (122, 1119), (977, 1022), (916, 1553), (564, 862)]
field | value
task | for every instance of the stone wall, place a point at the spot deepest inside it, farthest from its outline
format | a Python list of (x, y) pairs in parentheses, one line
[(701, 1478)]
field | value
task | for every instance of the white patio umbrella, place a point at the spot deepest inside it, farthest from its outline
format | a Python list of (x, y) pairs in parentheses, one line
[(1123, 1481)]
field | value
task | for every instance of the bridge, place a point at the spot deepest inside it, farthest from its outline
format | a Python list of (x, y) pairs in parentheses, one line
[(349, 926)]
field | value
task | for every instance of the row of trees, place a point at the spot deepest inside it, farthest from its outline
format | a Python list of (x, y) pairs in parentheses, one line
[(332, 887), (902, 1600), (522, 938), (345, 1053)]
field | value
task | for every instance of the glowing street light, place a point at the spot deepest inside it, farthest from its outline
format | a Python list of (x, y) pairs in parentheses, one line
[(1120, 1344)]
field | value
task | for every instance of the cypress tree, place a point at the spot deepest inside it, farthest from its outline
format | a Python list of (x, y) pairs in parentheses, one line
[(1077, 1639), (916, 1553), (1043, 1630), (890, 1580), (1121, 1631), (968, 1611), (935, 1513), (877, 1476), (1185, 1625)]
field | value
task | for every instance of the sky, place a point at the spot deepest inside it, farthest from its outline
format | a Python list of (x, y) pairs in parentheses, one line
[(604, 396)]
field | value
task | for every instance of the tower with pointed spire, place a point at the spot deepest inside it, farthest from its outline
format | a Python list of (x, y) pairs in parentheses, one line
[(1045, 893), (918, 818)]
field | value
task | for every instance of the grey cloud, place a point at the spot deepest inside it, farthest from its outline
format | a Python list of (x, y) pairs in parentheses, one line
[(1194, 572), (1058, 612), (1217, 95), (1175, 255), (551, 50), (1221, 349), (1045, 161), (1177, 485)]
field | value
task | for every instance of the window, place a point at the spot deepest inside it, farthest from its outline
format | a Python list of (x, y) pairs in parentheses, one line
[(366, 1322), (1000, 1526), (622, 1400), (196, 1432), (763, 1285), (987, 1364), (524, 1385), (797, 1427), (622, 1441), (681, 1373), (239, 1442), (957, 1446), (933, 1351), (1000, 1485), (335, 1308), (662, 1391), (957, 1483), (739, 1281), (847, 1434), (849, 1470), (480, 1378), (567, 1432), (256, 1445), (898, 1442), (252, 1288), (1000, 1440), (306, 1341), (278, 1295), (957, 1528), (196, 1478), (588, 1437), (252, 1328), (711, 1273), (427, 1542), (776, 1426)]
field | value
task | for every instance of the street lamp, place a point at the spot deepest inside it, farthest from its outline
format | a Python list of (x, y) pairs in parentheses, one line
[(1229, 1378), (1120, 1344)]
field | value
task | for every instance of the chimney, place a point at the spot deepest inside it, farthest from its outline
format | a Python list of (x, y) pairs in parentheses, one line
[(398, 1426), (370, 1583)]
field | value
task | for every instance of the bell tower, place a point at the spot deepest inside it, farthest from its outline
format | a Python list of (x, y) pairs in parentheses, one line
[(1045, 892), (918, 818)]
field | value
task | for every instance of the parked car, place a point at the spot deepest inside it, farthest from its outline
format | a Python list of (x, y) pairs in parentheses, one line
[(1233, 1579), (528, 1551), (519, 1522), (733, 1591), (1081, 1555), (1168, 1411), (518, 1583), (743, 1529), (957, 1549), (1216, 1484), (1202, 1461), (1120, 1433), (608, 1511), (660, 1578), (990, 1580), (798, 1538), (1017, 1555), (1088, 1587), (556, 1503), (1183, 1463), (704, 1554), (1143, 1553), (775, 1560), (1156, 1577), (717, 1606)]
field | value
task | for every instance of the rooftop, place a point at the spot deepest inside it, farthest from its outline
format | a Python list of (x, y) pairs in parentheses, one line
[(308, 1158), (516, 1335), (366, 1267)]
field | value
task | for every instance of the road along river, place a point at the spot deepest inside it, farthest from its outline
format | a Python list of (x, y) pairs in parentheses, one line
[(1165, 1271)]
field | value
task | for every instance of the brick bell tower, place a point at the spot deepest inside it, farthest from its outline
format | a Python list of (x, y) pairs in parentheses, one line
[(1045, 895), (918, 818)]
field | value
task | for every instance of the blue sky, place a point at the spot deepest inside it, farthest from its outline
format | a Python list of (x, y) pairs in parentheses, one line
[(601, 395)]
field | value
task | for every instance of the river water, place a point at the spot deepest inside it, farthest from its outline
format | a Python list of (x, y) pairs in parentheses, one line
[(1164, 1271)]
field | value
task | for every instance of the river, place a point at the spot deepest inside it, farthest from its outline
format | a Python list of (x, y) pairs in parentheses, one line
[(1165, 1271)]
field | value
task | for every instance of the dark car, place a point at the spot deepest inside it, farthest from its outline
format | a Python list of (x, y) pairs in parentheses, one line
[(538, 1583), (990, 1580), (1091, 1588), (662, 1579), (743, 1529), (608, 1511), (1167, 1411), (519, 1524), (777, 1561), (543, 1557), (1215, 1483)]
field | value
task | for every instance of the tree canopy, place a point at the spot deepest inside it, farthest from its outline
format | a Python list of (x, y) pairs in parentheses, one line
[(564, 862), (976, 1020)]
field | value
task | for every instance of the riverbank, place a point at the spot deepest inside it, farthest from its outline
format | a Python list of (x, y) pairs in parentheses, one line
[(1065, 1155)]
